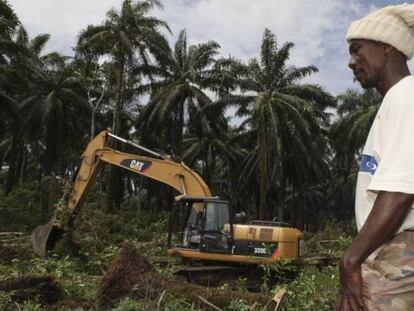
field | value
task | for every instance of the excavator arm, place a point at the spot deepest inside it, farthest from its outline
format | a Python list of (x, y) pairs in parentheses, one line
[(177, 175), (96, 155)]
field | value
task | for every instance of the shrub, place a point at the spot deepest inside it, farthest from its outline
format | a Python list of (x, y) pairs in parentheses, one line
[(313, 290)]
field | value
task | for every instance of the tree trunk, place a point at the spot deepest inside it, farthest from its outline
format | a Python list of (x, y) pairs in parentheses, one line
[(206, 173), (116, 126), (181, 131), (93, 123), (140, 194), (281, 193), (114, 173), (262, 175), (45, 191), (94, 110), (301, 202), (23, 168), (280, 208), (11, 174)]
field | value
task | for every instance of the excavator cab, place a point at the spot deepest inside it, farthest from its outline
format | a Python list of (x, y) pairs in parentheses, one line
[(201, 224), (202, 229)]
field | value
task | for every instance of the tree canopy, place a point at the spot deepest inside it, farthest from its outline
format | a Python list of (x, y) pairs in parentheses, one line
[(261, 137)]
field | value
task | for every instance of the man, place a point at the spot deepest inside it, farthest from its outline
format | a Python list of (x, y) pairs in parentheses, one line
[(377, 270)]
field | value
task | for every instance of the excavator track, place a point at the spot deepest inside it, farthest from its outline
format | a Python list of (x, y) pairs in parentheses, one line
[(249, 277)]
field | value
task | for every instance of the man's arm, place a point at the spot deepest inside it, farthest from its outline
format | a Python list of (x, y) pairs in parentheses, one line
[(386, 217)]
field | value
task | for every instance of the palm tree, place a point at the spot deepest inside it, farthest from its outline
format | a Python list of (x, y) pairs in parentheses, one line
[(179, 91), (356, 112), (49, 94), (44, 101), (9, 121), (284, 121), (209, 145), (55, 112), (8, 25), (129, 37), (9, 116), (14, 88)]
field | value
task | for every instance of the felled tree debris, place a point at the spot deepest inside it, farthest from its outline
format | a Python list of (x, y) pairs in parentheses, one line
[(7, 254), (45, 288), (131, 274), (127, 269), (14, 245)]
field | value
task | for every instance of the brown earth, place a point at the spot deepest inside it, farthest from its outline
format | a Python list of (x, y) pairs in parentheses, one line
[(7, 254), (44, 288)]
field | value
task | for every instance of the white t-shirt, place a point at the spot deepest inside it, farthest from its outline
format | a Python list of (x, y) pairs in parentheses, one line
[(387, 162)]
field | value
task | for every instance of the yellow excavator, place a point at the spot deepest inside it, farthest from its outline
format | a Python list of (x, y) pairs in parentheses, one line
[(207, 232)]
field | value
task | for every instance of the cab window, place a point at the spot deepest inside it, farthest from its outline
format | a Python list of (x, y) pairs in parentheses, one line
[(217, 215)]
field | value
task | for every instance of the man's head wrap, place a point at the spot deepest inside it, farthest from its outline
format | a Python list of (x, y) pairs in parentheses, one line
[(393, 25)]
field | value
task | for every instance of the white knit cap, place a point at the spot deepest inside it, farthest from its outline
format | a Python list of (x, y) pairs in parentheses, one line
[(393, 25)]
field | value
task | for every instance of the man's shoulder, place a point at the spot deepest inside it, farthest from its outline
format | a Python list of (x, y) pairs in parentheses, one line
[(403, 90), (406, 84), (399, 100)]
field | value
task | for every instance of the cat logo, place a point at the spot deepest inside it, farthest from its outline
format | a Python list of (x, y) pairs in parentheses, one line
[(136, 165)]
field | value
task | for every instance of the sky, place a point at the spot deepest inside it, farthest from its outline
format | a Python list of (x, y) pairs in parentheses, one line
[(316, 27)]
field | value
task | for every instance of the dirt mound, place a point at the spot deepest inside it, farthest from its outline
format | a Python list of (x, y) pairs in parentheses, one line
[(128, 268), (45, 288), (131, 274)]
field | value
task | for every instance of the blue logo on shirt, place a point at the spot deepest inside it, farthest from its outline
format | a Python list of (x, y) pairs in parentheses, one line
[(368, 164)]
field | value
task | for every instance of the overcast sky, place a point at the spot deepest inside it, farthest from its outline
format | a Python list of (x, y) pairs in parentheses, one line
[(317, 27)]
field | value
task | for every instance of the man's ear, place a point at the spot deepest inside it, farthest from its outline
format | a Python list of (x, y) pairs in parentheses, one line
[(390, 50)]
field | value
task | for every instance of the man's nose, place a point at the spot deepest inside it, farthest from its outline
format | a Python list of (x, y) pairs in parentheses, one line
[(352, 63)]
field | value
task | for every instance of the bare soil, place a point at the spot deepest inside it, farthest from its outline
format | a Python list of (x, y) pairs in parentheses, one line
[(7, 254), (44, 288)]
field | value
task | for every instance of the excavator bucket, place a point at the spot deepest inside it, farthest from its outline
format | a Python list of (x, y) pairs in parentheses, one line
[(45, 237)]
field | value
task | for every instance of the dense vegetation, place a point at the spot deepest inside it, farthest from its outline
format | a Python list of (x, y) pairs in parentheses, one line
[(289, 152), (101, 236)]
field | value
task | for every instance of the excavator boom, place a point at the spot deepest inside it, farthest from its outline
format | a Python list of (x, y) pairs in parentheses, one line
[(176, 175)]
